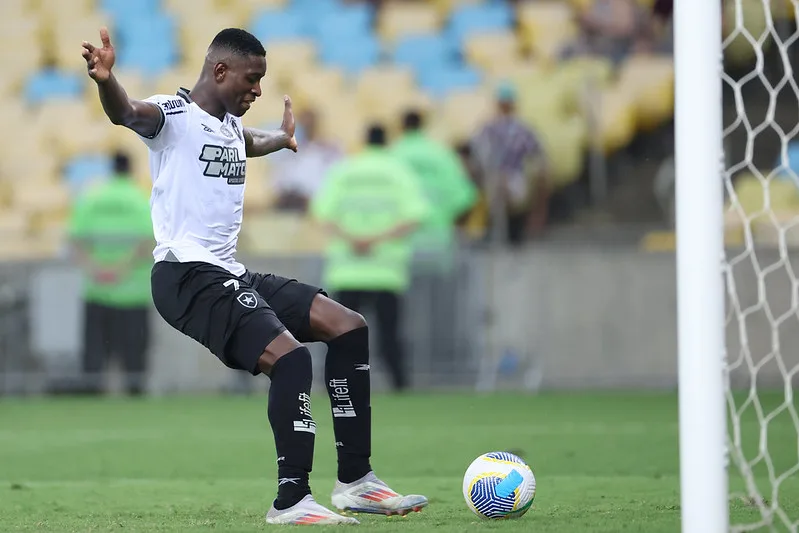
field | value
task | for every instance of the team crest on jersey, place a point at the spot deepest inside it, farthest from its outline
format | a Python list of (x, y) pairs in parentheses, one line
[(224, 162)]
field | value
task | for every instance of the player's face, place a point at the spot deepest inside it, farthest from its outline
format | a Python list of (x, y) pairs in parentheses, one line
[(242, 83)]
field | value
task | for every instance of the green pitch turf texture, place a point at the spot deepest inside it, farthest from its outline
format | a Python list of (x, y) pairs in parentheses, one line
[(604, 462)]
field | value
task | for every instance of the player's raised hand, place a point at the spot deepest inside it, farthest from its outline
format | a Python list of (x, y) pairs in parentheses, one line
[(288, 125), (99, 61)]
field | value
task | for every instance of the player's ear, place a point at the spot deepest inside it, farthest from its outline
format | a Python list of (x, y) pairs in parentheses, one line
[(220, 71)]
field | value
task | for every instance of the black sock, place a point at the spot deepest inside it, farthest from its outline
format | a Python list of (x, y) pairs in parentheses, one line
[(348, 385), (294, 429)]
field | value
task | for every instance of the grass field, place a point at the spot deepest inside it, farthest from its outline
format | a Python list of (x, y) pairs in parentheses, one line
[(604, 462)]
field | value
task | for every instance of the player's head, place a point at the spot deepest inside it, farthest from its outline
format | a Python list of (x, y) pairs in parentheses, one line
[(412, 121), (376, 136), (121, 164), (506, 98), (236, 61)]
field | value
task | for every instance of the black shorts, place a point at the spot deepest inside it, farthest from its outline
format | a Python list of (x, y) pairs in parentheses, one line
[(235, 317)]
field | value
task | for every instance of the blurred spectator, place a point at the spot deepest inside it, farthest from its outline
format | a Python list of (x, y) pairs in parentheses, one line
[(476, 221), (444, 181), (613, 29), (298, 176), (514, 171), (112, 237), (371, 204)]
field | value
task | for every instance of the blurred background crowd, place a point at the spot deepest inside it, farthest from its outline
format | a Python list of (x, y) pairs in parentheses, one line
[(523, 123)]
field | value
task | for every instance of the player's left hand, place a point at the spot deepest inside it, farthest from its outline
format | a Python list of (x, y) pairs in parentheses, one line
[(288, 125)]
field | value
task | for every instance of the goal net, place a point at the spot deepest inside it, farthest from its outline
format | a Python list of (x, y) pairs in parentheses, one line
[(761, 261)]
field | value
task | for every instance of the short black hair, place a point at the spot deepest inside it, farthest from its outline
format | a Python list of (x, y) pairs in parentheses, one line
[(121, 163), (239, 42), (412, 121), (376, 135)]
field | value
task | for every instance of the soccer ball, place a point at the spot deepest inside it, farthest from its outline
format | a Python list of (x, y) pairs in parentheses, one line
[(499, 485)]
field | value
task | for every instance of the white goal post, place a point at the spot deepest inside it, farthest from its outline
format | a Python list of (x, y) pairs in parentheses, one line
[(700, 248)]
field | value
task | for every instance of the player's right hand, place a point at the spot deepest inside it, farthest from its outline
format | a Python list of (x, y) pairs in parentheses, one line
[(99, 61)]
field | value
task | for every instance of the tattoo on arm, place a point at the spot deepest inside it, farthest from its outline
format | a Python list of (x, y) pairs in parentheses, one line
[(260, 143)]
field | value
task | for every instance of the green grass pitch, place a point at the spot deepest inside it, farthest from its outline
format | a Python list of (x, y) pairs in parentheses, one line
[(604, 462)]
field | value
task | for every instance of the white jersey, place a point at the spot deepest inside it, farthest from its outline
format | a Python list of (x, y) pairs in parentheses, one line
[(198, 165)]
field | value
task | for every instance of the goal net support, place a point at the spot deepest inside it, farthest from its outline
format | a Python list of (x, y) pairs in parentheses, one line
[(737, 217)]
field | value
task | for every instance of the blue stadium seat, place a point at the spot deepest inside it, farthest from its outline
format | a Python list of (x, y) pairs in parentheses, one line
[(422, 52), (312, 9), (120, 9), (50, 83), (272, 25), (353, 54), (469, 19), (151, 58), (437, 82), (346, 21), (147, 28), (81, 170)]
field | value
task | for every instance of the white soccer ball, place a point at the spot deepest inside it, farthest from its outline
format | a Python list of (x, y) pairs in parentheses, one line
[(499, 485)]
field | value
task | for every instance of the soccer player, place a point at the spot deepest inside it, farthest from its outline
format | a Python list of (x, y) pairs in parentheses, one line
[(250, 321)]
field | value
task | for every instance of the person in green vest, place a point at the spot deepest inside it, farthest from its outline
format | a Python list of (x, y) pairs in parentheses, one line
[(112, 239), (446, 184), (371, 204), (452, 194)]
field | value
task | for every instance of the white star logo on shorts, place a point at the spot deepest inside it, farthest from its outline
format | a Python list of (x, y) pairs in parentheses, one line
[(247, 299)]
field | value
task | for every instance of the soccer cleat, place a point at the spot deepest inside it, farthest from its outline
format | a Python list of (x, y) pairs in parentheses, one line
[(370, 495), (306, 512)]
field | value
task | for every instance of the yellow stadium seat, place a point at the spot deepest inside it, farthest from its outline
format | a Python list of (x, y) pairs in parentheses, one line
[(14, 9), (12, 223), (341, 121), (546, 27), (615, 121), (395, 103), (309, 87), (56, 10), (86, 132), (649, 83), (193, 11), (740, 51), (267, 110), (580, 77), (446, 6), (69, 32), (400, 19), (284, 58), (756, 195), (373, 83), (496, 48), (258, 194), (197, 30), (543, 97), (463, 113), (172, 80), (35, 197), (563, 143)]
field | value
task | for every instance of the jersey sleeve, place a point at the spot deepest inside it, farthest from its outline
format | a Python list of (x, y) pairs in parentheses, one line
[(174, 121)]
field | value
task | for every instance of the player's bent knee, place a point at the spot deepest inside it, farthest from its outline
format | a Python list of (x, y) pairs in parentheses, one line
[(330, 319), (283, 344)]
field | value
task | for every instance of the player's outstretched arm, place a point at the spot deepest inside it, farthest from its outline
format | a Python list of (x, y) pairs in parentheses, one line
[(260, 143), (142, 117)]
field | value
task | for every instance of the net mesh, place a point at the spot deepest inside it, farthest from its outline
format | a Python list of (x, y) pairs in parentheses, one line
[(761, 261)]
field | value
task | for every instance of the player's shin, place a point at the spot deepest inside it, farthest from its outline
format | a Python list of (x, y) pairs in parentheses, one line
[(348, 385), (293, 427)]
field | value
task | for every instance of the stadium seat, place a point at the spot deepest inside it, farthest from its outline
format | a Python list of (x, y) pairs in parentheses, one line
[(580, 77), (440, 81), (616, 120), (283, 58), (294, 234), (563, 141), (351, 54), (373, 83), (492, 48), (345, 22), (65, 38), (399, 19), (258, 195), (85, 170), (271, 25), (463, 113), (649, 83), (479, 18), (121, 9), (53, 84), (422, 52), (309, 87), (546, 27)]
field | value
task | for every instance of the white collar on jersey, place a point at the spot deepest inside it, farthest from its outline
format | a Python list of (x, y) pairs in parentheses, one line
[(185, 94)]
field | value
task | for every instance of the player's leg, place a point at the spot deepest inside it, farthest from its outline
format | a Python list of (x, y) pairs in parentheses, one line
[(228, 317), (312, 316)]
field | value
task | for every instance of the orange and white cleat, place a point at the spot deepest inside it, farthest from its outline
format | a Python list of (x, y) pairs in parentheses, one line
[(370, 495), (307, 512)]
